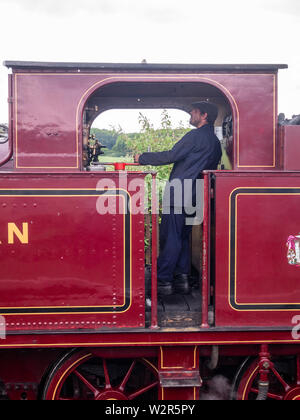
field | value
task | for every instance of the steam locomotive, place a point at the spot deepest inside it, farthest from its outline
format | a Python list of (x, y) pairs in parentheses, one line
[(80, 317)]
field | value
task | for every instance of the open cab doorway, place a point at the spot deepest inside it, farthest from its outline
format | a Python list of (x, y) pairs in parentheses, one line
[(177, 310)]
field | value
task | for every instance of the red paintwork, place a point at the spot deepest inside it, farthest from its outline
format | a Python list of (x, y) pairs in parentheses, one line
[(55, 289), (179, 365), (48, 137), (291, 148), (65, 266), (266, 213)]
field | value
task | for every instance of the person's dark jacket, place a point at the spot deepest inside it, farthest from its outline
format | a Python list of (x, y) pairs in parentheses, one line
[(198, 150)]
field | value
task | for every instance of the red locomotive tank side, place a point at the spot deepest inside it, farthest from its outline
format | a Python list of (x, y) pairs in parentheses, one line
[(255, 284), (80, 266)]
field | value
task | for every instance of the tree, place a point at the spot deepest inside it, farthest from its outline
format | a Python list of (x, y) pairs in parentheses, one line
[(107, 137), (120, 146), (155, 140)]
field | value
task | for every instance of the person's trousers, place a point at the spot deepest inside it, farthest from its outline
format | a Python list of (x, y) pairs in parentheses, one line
[(174, 237)]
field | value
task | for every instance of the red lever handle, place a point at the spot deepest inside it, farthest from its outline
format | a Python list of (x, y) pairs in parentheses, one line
[(120, 166)]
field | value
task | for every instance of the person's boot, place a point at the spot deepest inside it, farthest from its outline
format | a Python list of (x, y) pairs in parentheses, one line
[(164, 288), (181, 284)]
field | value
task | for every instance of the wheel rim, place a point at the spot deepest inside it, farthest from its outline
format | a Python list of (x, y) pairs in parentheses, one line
[(85, 376), (284, 381)]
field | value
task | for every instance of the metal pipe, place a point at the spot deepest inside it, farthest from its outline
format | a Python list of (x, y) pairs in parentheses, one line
[(265, 365), (214, 358), (205, 250), (154, 323), (9, 153)]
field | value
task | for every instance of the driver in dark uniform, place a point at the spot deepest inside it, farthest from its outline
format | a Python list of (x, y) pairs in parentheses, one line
[(198, 150)]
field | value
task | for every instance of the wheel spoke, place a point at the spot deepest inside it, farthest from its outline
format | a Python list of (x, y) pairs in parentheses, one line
[(127, 376), (270, 395), (281, 380), (106, 375), (86, 382), (101, 378), (142, 390), (275, 396)]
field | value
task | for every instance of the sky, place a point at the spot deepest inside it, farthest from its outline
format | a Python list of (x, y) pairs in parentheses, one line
[(160, 31)]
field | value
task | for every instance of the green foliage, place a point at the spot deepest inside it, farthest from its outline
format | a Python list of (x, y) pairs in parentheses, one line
[(121, 146), (154, 140), (107, 137), (149, 139)]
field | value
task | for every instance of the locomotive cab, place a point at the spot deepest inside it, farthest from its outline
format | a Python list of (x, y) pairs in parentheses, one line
[(175, 311), (103, 265)]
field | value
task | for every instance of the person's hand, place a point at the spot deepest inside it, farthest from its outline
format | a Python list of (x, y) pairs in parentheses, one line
[(136, 158)]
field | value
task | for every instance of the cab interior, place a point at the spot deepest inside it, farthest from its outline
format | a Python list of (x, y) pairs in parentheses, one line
[(175, 310)]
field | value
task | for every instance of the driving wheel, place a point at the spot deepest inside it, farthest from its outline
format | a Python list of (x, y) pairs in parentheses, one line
[(84, 375), (284, 380)]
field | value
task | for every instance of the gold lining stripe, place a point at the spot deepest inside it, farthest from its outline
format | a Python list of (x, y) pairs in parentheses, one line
[(67, 371), (136, 76), (229, 249), (124, 247), (130, 76), (177, 367), (274, 134), (152, 343), (249, 379)]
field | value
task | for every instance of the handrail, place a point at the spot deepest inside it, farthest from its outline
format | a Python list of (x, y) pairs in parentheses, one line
[(154, 323), (9, 154), (119, 166), (206, 253)]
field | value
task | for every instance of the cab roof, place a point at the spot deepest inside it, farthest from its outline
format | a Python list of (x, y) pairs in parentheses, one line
[(144, 66)]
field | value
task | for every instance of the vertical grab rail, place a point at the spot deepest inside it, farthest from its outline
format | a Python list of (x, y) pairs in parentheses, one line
[(154, 323), (9, 153), (206, 254)]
